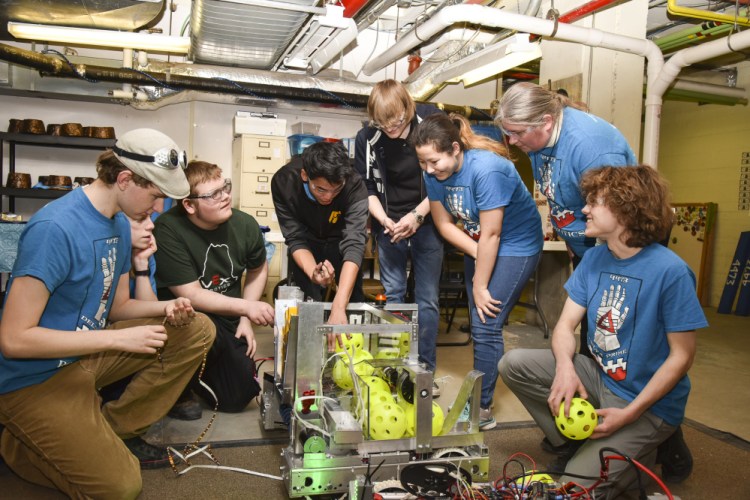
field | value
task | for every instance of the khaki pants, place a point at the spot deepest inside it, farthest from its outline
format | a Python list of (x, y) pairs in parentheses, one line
[(58, 435)]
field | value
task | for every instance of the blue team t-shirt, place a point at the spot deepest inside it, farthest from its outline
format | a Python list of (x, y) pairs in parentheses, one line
[(487, 181), (585, 142), (631, 306), (79, 255)]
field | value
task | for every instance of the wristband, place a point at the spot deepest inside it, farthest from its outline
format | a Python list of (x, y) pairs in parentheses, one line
[(142, 273)]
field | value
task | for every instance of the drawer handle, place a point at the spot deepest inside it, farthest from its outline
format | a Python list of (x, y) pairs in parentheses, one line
[(262, 157)]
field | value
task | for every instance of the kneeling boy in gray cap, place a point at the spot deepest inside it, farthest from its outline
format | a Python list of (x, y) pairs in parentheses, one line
[(58, 343)]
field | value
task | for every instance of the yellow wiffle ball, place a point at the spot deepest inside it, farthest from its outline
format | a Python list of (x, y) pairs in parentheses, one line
[(581, 420), (341, 375), (353, 342), (438, 417)]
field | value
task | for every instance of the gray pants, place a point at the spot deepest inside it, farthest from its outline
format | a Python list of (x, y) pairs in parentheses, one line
[(529, 374)]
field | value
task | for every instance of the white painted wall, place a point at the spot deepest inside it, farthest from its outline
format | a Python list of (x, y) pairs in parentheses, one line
[(203, 129)]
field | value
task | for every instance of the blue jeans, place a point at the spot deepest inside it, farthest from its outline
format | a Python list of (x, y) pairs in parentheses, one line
[(426, 250), (506, 284)]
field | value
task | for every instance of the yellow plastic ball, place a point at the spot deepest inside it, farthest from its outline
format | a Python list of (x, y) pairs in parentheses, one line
[(581, 420), (388, 353), (533, 477), (386, 421), (438, 417), (353, 342), (341, 375), (376, 383)]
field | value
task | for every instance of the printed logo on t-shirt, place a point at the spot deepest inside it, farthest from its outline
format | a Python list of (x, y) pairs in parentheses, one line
[(334, 217), (560, 216), (103, 282), (612, 336), (218, 269), (459, 203)]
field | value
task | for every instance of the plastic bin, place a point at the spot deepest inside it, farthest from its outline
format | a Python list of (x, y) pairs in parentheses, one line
[(306, 128), (298, 142)]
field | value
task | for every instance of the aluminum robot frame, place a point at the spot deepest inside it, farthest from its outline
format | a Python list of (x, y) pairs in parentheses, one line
[(330, 449)]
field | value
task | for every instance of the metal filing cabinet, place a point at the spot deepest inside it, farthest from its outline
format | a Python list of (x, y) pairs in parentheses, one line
[(255, 158)]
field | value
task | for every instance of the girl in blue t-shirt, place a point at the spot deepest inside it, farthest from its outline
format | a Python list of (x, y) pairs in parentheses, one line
[(469, 180)]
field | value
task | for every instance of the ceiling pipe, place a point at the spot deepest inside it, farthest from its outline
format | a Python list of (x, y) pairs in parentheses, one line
[(694, 37), (586, 9), (352, 7), (256, 83), (194, 82), (587, 36), (706, 15), (668, 73), (495, 18), (707, 93)]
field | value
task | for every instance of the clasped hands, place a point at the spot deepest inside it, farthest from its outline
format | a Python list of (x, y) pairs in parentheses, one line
[(323, 274), (402, 229)]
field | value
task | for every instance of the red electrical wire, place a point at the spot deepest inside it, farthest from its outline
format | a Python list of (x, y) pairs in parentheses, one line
[(644, 469)]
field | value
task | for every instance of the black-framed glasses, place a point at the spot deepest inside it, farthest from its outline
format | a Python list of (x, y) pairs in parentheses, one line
[(166, 158), (392, 126), (216, 194)]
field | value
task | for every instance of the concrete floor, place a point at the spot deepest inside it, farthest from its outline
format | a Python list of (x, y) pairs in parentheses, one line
[(719, 398)]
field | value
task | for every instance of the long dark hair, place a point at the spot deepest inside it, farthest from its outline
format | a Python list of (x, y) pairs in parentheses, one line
[(441, 131)]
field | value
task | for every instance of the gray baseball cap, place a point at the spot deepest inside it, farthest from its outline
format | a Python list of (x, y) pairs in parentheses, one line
[(155, 157)]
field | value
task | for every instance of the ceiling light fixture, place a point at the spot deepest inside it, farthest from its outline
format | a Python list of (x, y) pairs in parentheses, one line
[(99, 38), (512, 52)]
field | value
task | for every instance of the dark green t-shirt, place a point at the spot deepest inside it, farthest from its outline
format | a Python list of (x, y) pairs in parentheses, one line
[(216, 258)]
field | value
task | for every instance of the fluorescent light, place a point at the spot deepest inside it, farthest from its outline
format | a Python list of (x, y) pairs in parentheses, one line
[(99, 38), (326, 37), (493, 60)]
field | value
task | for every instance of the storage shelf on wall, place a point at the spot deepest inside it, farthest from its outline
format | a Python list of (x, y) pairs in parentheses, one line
[(50, 141), (33, 193)]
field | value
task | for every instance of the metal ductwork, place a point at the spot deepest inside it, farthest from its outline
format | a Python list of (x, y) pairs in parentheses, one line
[(120, 15), (247, 34)]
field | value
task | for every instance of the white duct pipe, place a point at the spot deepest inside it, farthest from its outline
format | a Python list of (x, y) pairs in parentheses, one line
[(656, 89), (711, 89), (491, 17), (496, 18)]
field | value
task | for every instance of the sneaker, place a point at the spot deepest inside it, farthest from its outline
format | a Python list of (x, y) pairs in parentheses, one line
[(149, 456), (486, 420), (465, 413), (675, 458), (186, 408), (435, 390)]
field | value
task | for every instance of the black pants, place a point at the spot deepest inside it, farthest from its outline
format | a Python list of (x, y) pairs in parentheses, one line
[(323, 251), (229, 372)]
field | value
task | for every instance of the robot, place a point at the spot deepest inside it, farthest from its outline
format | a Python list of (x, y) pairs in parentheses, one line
[(364, 416)]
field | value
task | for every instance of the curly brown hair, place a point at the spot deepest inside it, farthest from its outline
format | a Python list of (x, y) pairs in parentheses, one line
[(638, 196)]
